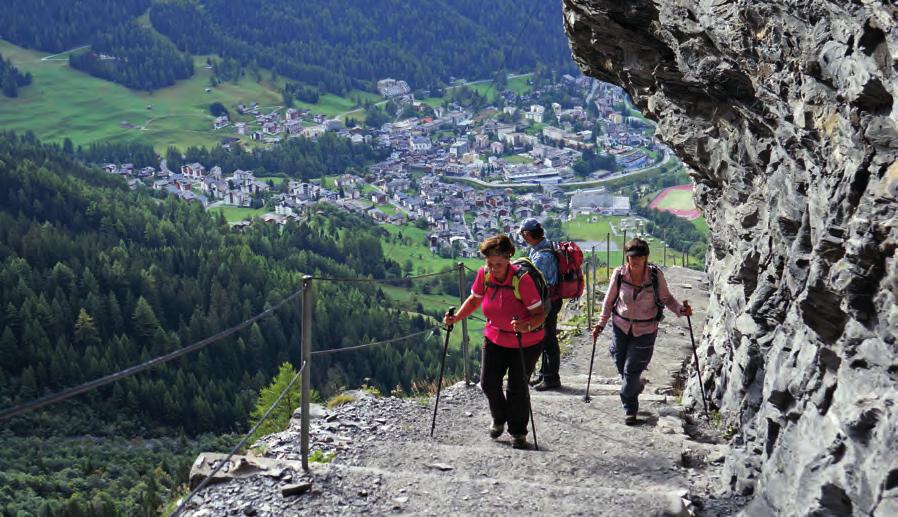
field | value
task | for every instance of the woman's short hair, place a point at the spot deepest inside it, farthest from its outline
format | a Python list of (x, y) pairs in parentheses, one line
[(636, 248), (497, 245)]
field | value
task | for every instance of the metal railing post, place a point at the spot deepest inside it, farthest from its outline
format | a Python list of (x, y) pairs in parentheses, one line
[(608, 255), (594, 269), (623, 256), (588, 298), (464, 323), (306, 374)]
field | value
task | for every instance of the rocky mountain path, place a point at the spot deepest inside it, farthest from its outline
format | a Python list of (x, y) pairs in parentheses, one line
[(589, 462)]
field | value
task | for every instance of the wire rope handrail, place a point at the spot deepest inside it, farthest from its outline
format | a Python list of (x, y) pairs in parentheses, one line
[(377, 343), (133, 370), (381, 280), (240, 444)]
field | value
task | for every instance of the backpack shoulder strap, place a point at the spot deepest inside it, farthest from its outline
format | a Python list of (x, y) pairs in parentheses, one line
[(658, 304), (487, 284), (617, 280)]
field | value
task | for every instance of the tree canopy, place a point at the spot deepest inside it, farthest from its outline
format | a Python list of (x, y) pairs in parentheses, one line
[(95, 278)]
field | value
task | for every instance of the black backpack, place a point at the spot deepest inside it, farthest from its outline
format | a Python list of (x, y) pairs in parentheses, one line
[(525, 267), (653, 271)]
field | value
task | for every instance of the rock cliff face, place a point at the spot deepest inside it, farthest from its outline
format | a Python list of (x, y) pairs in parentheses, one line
[(786, 113)]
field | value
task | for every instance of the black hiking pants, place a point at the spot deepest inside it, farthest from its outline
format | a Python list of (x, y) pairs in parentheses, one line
[(512, 406), (631, 356), (551, 357)]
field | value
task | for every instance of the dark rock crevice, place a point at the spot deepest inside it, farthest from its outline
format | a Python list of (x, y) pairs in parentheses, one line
[(785, 114)]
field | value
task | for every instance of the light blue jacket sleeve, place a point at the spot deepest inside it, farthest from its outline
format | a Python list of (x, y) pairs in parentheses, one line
[(542, 257)]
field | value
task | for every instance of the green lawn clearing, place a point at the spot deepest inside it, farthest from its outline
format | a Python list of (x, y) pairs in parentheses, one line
[(517, 159), (64, 102), (413, 247), (277, 180), (701, 225), (387, 209), (677, 199), (236, 214), (408, 300), (331, 105), (519, 84)]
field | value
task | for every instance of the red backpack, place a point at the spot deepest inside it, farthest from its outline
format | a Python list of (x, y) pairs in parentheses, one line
[(570, 275)]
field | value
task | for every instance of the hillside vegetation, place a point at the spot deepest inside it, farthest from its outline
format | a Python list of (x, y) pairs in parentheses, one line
[(95, 278), (344, 44)]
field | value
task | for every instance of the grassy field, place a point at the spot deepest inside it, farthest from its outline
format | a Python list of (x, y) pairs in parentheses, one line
[(432, 303), (236, 214), (519, 84), (331, 105), (582, 229), (277, 180), (517, 159), (413, 247), (677, 199), (433, 102), (64, 102), (701, 225), (387, 209)]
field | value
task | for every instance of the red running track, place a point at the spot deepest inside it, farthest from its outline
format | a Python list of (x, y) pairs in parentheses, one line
[(685, 214)]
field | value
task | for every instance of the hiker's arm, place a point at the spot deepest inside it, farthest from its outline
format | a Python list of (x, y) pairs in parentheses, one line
[(533, 304), (535, 318), (608, 304), (470, 305), (667, 298)]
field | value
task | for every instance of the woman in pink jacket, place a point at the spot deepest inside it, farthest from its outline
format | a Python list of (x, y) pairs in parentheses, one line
[(509, 310), (635, 310)]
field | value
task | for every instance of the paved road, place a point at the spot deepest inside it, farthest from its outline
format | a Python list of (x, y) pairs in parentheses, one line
[(590, 183)]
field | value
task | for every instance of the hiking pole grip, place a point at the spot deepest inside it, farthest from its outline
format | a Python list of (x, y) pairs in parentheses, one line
[(433, 422), (592, 357), (525, 378), (701, 382)]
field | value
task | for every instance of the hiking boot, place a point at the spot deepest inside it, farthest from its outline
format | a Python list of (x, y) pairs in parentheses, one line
[(547, 385), (630, 419), (496, 430), (536, 380), (519, 441)]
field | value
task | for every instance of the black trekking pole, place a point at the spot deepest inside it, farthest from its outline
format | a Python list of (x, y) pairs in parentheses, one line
[(525, 377), (433, 423), (586, 398), (701, 383)]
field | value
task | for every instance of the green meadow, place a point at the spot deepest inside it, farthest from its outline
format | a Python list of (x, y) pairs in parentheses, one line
[(235, 214), (516, 159), (408, 300), (678, 200), (516, 84), (701, 225), (583, 228), (277, 180), (64, 102), (413, 247)]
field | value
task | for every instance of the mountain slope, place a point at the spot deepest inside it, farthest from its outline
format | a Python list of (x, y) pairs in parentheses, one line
[(343, 44)]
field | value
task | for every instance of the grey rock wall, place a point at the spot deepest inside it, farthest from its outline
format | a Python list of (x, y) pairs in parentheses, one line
[(786, 113)]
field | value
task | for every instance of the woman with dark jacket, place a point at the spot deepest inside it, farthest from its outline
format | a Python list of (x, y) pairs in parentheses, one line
[(634, 310), (511, 303)]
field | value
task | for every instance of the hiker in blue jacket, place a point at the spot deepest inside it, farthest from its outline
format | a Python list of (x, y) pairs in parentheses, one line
[(543, 258)]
